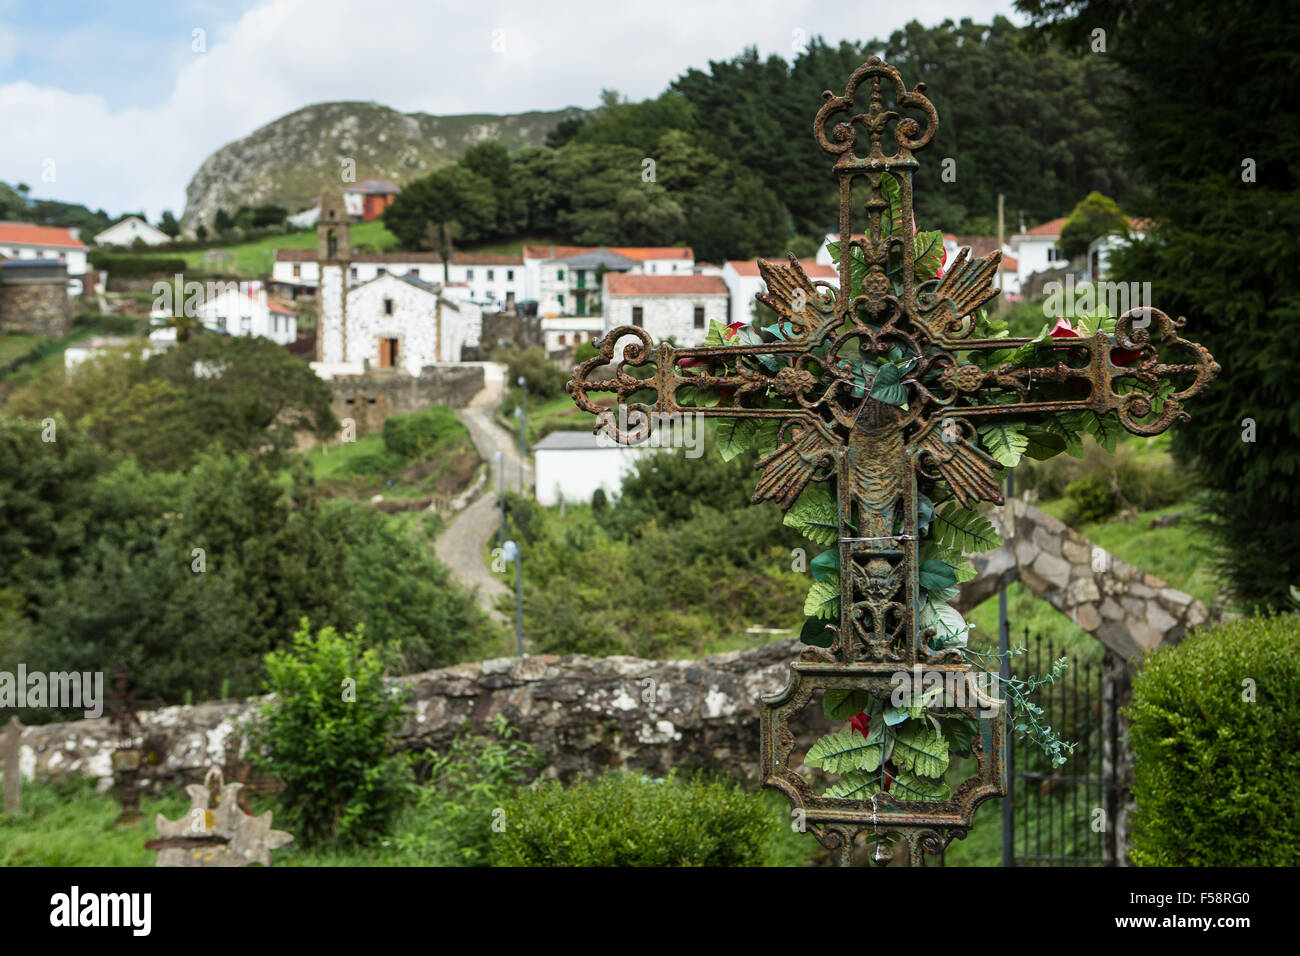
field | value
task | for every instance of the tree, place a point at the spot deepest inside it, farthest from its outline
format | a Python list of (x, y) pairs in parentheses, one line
[(1095, 216), (1222, 251), (223, 223), (201, 232), (168, 224), (452, 194)]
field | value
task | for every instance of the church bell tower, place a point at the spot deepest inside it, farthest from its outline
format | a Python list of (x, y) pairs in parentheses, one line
[(334, 254)]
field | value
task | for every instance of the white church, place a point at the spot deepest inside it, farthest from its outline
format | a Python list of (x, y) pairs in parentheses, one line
[(395, 320)]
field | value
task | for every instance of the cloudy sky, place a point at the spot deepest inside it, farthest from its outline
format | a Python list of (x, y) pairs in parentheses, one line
[(115, 104)]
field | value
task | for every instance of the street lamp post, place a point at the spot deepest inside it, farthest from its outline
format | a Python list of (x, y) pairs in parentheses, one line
[(510, 551)]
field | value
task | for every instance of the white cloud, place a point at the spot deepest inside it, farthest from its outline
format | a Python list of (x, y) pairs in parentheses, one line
[(438, 59)]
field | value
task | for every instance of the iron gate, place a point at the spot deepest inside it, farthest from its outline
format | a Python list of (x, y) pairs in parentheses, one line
[(1064, 816)]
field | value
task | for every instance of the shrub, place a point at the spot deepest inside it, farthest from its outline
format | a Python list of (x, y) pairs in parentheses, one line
[(125, 266), (626, 820), (1215, 773), (328, 735), (451, 820), (599, 502), (418, 434), (586, 350), (545, 378), (1089, 499)]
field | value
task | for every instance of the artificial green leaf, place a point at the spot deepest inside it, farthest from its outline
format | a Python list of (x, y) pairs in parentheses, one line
[(950, 627), (1068, 429), (927, 253), (892, 192), (895, 715), (1005, 441), (920, 750), (888, 386), (815, 634), (735, 435), (814, 516), (960, 731), (826, 566), (935, 575), (848, 750), (1043, 443), (845, 704), (717, 334), (924, 512), (1106, 429), (908, 786), (964, 529), (856, 785), (823, 600)]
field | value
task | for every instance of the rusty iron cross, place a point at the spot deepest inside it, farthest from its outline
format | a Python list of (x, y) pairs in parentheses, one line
[(801, 380)]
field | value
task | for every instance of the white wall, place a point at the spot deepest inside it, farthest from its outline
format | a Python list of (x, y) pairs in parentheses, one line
[(333, 289), (667, 316), (238, 313), (308, 273), (74, 259), (489, 284), (1032, 254), (128, 231), (576, 473)]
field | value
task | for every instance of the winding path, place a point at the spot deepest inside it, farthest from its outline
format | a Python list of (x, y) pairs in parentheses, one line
[(461, 544)]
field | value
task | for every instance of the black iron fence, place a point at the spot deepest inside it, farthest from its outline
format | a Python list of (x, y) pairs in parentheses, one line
[(1064, 816)]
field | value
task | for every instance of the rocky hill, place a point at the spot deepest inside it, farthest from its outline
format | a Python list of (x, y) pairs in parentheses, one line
[(287, 161)]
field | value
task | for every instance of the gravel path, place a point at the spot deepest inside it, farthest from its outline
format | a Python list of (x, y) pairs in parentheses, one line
[(460, 546)]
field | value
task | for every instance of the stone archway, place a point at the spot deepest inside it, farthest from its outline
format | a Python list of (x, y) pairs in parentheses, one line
[(1129, 611)]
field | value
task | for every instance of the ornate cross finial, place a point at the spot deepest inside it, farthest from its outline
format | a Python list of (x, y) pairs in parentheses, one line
[(884, 388)]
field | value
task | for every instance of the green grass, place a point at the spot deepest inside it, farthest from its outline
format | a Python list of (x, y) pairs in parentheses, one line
[(14, 345), (255, 258), (69, 824)]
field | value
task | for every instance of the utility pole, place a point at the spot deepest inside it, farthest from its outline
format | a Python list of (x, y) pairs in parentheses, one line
[(1004, 675), (1002, 302)]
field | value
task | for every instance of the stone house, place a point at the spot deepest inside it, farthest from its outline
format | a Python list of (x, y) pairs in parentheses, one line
[(679, 307)]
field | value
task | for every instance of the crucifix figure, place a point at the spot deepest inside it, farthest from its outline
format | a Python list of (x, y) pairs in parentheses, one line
[(874, 387)]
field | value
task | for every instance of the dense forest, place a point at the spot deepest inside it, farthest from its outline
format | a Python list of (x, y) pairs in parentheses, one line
[(725, 161)]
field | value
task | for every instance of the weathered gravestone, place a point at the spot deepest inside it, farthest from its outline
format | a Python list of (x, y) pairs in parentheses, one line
[(882, 399), (215, 831)]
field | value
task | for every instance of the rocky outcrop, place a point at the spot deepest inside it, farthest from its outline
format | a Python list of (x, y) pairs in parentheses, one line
[(288, 161)]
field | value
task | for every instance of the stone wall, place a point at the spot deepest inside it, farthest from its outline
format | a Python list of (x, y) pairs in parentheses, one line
[(513, 329), (585, 715), (37, 308), (370, 399)]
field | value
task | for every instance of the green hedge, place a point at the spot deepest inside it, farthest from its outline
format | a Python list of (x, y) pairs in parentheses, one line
[(1214, 774), (626, 820), (136, 266)]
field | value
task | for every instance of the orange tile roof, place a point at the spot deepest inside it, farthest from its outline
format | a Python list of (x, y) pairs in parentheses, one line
[(631, 252), (625, 283), (814, 269), (1046, 229), (654, 252), (30, 234), (485, 259)]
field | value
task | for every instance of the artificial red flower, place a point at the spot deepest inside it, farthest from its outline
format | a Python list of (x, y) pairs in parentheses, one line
[(1122, 358), (942, 262), (862, 724)]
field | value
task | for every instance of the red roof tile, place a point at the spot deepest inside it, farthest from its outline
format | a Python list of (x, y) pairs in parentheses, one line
[(1046, 229), (30, 234), (625, 283)]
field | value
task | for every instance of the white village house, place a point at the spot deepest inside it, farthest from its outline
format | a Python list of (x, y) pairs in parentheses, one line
[(744, 282), (1036, 249), (679, 307), (128, 230), (567, 280), (241, 308), (400, 322), (572, 465), (25, 240)]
